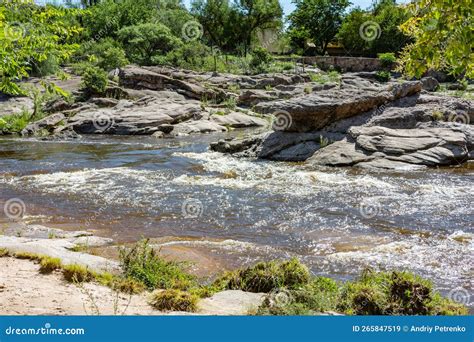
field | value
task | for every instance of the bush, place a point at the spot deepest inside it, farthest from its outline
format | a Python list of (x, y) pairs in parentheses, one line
[(142, 264), (260, 60), (48, 265), (94, 80), (105, 54), (174, 300), (265, 277), (4, 252), (387, 59), (15, 123), (144, 43), (394, 293), (192, 55), (383, 76)]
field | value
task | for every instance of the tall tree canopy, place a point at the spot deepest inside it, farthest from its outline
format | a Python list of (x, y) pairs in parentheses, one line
[(317, 21), (443, 37)]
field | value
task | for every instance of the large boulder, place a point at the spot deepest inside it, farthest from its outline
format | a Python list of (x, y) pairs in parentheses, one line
[(317, 110), (45, 125)]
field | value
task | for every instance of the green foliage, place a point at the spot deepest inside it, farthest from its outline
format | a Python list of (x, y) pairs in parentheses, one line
[(142, 264), (4, 252), (105, 54), (48, 265), (174, 300), (316, 21), (375, 31), (394, 293), (192, 55), (323, 78), (265, 277), (29, 36), (383, 76), (146, 43), (387, 59), (443, 38), (94, 80), (15, 123), (127, 285), (260, 60)]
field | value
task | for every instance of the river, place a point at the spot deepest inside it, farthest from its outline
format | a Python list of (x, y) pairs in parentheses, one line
[(335, 220)]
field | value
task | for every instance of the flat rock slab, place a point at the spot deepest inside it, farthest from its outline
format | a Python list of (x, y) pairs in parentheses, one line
[(239, 120), (317, 110), (57, 243), (230, 302)]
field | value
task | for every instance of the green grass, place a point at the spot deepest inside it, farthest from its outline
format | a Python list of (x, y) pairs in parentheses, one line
[(265, 277), (323, 78), (77, 273), (48, 264), (142, 264), (4, 252), (174, 300)]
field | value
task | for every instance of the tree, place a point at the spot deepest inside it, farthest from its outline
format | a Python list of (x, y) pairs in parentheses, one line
[(29, 35), (216, 17), (375, 31), (317, 21), (146, 43), (256, 14), (442, 31)]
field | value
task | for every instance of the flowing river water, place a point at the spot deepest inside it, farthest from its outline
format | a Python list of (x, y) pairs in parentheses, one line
[(239, 211)]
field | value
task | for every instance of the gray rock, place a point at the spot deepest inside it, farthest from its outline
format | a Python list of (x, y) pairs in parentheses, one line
[(340, 153), (201, 126), (47, 124), (430, 83), (318, 110), (239, 120)]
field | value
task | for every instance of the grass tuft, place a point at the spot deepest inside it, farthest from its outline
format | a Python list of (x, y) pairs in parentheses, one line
[(77, 274), (174, 300), (4, 252), (142, 264), (48, 265)]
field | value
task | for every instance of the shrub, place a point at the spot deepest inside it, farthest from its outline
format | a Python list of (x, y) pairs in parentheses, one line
[(77, 273), (48, 265), (94, 80), (15, 123), (387, 59), (192, 55), (142, 264), (383, 76), (260, 60), (128, 285), (4, 252), (265, 277), (394, 293), (174, 300), (145, 42), (105, 54)]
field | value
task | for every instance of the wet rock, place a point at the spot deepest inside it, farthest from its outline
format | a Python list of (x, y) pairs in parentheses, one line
[(45, 125), (340, 153), (128, 118), (387, 164)]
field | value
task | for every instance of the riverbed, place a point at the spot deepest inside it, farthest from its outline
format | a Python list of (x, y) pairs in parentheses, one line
[(239, 211)]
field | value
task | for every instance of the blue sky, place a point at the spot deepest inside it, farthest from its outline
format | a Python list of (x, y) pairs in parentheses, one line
[(288, 6)]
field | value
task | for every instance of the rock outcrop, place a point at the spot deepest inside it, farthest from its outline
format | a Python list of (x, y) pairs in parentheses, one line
[(366, 124)]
